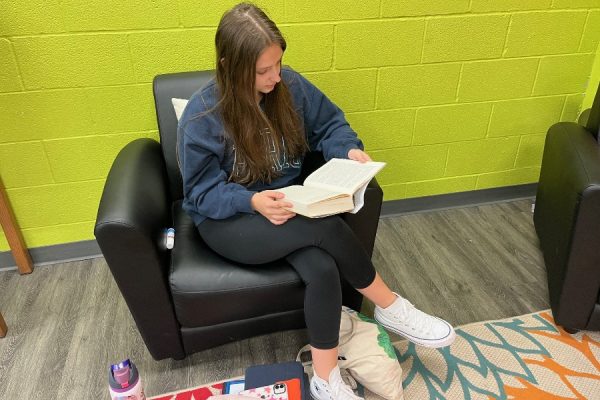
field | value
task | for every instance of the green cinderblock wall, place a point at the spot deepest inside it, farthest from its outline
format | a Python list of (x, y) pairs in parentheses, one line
[(454, 95)]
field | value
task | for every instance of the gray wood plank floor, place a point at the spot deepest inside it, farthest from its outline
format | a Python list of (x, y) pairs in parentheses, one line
[(68, 322)]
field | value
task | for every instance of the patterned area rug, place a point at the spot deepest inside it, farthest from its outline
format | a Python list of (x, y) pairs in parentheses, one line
[(526, 357)]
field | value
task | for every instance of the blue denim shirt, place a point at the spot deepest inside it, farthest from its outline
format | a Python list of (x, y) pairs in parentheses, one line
[(207, 159)]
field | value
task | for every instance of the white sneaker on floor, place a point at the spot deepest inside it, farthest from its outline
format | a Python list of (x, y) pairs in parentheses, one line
[(335, 389), (406, 320)]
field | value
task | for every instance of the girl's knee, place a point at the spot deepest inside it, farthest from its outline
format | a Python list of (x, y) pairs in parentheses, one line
[(322, 230), (333, 224), (316, 265)]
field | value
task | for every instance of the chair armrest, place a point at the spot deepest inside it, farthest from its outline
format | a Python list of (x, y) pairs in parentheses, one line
[(583, 117), (364, 223), (133, 213)]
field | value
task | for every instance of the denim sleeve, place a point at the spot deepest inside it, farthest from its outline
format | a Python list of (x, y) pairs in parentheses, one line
[(327, 128), (206, 189)]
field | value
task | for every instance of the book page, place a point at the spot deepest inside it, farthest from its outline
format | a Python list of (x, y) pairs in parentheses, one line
[(306, 195), (359, 199), (343, 175)]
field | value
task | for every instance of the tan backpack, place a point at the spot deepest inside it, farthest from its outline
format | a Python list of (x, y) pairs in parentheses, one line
[(366, 355)]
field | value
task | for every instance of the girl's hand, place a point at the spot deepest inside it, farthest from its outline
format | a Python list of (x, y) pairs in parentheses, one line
[(269, 204), (358, 155)]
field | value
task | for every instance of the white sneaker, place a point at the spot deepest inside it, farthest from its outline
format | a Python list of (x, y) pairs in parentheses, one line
[(404, 319), (335, 389)]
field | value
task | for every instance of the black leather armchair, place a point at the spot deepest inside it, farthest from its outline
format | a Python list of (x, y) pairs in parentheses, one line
[(567, 220), (189, 299)]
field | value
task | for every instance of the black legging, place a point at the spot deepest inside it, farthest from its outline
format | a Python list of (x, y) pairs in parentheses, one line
[(318, 249)]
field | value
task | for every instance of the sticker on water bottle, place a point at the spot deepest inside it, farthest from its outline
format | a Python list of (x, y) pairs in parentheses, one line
[(170, 238), (124, 382)]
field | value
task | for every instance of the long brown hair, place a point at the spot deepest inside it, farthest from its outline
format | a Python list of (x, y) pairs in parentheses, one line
[(243, 33)]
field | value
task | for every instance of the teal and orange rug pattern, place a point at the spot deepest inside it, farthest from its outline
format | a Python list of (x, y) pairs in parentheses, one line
[(521, 358), (526, 357)]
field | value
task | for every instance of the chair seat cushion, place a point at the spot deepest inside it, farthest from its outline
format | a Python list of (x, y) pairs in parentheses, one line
[(208, 289)]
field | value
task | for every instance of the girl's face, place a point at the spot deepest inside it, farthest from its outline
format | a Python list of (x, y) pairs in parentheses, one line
[(268, 68)]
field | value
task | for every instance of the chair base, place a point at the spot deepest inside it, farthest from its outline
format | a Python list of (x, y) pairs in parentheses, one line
[(206, 337)]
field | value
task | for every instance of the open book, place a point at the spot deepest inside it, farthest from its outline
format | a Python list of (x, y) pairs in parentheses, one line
[(338, 186)]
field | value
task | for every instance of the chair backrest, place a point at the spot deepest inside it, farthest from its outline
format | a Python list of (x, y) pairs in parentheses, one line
[(177, 85), (593, 120)]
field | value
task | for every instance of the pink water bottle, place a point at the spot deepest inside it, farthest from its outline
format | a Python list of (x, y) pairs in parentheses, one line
[(124, 382)]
